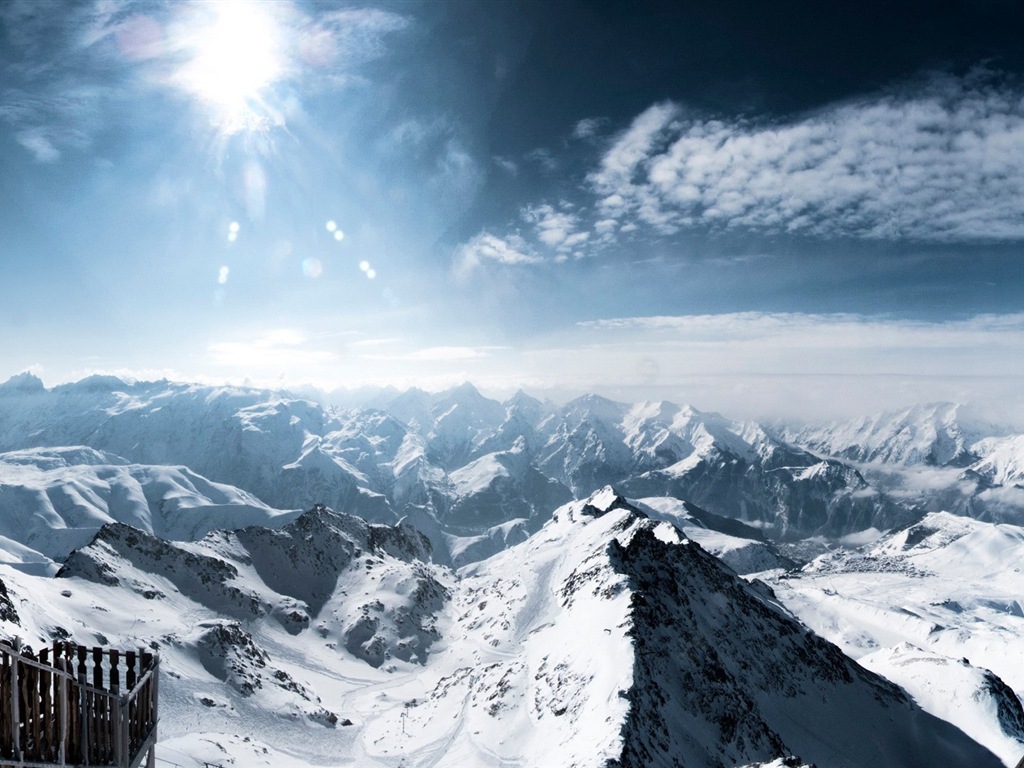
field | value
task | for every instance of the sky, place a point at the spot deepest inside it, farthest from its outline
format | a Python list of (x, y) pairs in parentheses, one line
[(790, 208)]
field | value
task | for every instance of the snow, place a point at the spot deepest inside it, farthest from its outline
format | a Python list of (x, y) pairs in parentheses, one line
[(53, 500), (947, 588), (333, 642), (954, 690), (572, 630)]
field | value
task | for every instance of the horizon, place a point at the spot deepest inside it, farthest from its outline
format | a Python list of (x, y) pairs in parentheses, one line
[(818, 411), (746, 208)]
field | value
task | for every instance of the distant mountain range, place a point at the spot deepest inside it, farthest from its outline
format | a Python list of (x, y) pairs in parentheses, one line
[(472, 473)]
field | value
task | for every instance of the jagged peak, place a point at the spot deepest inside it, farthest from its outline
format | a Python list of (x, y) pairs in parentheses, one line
[(401, 540), (591, 400), (520, 396), (465, 389), (101, 382), (606, 500), (23, 383)]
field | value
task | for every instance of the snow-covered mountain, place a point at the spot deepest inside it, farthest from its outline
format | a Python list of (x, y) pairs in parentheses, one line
[(606, 638), (937, 434), (53, 500), (740, 470), (591, 632), (936, 607), (940, 456), (459, 464)]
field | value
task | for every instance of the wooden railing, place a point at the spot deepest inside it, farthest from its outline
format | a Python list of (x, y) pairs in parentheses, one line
[(73, 705)]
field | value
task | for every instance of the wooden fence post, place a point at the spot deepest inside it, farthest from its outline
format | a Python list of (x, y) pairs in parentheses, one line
[(99, 740), (44, 723), (132, 709), (83, 709), (16, 702), (65, 692), (116, 706)]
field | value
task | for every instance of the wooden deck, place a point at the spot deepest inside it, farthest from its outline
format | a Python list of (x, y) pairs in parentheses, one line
[(73, 705)]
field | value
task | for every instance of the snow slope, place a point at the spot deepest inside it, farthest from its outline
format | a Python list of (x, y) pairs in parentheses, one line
[(53, 500), (607, 638), (933, 602)]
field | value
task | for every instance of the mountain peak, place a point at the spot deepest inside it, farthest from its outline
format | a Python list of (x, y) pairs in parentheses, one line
[(24, 383), (465, 389), (606, 500), (99, 382)]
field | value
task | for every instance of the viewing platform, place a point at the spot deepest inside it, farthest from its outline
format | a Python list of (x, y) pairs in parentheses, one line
[(77, 706)]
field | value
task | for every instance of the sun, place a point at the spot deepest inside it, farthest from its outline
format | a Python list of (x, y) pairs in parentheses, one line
[(233, 54)]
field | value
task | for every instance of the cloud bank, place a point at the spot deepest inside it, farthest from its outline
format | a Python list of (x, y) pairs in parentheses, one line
[(944, 163)]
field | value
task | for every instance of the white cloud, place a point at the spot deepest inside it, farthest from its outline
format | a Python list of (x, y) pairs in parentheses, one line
[(943, 163), (354, 35), (556, 228), (44, 124), (544, 158), (889, 343), (282, 348), (511, 250), (508, 166), (589, 127), (36, 141), (457, 177), (439, 354)]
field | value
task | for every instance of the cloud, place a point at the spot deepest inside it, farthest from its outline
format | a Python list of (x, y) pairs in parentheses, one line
[(511, 250), (556, 231), (555, 228), (942, 162), (829, 333), (508, 166), (61, 116), (589, 127), (353, 35), (282, 348), (457, 177), (439, 354), (544, 158), (39, 144)]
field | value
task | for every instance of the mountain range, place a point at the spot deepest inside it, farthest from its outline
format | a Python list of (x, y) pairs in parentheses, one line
[(473, 474), (445, 579)]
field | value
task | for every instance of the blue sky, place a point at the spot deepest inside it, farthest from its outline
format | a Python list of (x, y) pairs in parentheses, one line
[(755, 207)]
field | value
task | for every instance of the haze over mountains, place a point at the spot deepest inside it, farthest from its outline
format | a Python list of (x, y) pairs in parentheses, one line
[(444, 579)]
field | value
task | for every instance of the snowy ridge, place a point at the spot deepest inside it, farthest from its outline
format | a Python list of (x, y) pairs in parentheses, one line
[(935, 607), (939, 457), (53, 500), (606, 638), (456, 463), (609, 639), (939, 434)]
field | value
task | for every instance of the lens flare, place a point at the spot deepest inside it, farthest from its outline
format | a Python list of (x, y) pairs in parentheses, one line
[(312, 268)]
